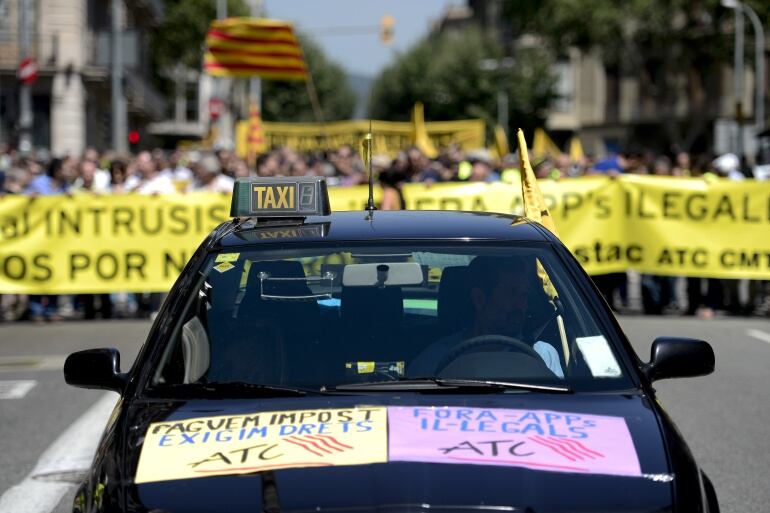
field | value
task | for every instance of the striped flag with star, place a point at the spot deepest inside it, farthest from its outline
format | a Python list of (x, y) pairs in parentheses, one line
[(254, 47)]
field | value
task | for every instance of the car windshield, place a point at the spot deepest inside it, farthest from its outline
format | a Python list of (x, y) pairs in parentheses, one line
[(338, 316)]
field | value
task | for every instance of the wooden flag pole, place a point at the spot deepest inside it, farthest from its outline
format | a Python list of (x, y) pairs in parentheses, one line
[(315, 103), (311, 92)]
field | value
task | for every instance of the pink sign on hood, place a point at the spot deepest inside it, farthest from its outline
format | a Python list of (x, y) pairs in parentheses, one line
[(536, 439)]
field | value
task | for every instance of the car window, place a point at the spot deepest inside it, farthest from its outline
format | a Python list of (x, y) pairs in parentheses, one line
[(332, 315)]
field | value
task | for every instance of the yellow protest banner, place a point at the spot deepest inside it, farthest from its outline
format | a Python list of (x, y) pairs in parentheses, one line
[(388, 136), (693, 227), (656, 225), (240, 444), (92, 244)]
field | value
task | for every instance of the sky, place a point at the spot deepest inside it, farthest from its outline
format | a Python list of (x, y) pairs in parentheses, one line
[(359, 53)]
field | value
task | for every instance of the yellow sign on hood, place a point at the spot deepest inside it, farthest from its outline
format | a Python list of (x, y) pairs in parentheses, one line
[(253, 442)]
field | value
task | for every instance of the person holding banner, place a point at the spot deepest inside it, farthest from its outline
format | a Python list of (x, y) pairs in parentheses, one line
[(209, 176), (349, 166), (150, 180), (56, 181), (392, 178)]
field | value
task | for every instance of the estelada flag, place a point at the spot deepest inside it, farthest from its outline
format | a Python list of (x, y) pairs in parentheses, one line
[(249, 47)]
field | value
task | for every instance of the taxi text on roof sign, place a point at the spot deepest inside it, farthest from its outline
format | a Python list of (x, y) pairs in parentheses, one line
[(280, 197)]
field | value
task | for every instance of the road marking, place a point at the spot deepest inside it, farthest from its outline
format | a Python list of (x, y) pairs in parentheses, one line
[(71, 452), (31, 363), (759, 335), (16, 389)]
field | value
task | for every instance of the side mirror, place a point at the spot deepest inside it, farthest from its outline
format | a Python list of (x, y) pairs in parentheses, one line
[(95, 368), (675, 357)]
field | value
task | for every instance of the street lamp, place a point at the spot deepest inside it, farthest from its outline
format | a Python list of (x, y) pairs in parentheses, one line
[(759, 67), (502, 94)]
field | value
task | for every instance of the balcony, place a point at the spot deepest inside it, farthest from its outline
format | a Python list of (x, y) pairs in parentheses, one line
[(100, 49), (144, 98)]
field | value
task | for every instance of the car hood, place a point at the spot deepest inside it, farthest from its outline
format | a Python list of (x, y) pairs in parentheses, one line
[(409, 485)]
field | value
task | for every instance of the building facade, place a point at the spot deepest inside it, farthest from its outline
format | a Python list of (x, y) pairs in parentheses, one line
[(71, 42), (612, 108)]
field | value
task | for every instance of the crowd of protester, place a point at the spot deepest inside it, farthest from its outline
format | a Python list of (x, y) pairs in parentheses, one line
[(161, 172)]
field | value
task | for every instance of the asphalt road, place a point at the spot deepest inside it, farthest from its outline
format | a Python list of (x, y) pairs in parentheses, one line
[(28, 425), (724, 417)]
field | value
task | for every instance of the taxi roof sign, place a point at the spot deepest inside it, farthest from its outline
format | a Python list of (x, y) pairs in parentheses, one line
[(280, 197)]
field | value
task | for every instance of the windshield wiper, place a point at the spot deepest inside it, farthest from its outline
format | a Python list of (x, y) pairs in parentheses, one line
[(434, 383), (231, 389)]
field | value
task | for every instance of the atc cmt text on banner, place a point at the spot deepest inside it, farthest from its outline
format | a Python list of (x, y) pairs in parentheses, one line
[(664, 226)]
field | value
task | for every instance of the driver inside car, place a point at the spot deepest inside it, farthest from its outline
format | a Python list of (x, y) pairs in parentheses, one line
[(499, 292)]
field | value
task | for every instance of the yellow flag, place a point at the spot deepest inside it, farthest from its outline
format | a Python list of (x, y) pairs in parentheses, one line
[(542, 145), (536, 210), (534, 205), (501, 142), (576, 152), (420, 133)]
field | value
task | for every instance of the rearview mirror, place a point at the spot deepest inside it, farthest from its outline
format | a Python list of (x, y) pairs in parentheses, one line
[(95, 368), (382, 275), (676, 357)]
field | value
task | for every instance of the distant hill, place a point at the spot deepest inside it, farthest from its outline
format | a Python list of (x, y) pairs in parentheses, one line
[(361, 85)]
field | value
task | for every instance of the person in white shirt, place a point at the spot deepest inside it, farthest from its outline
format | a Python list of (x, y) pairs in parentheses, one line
[(150, 180), (101, 179), (209, 177), (90, 178), (177, 169), (499, 296)]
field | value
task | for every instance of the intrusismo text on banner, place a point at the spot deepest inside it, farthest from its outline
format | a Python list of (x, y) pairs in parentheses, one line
[(677, 227)]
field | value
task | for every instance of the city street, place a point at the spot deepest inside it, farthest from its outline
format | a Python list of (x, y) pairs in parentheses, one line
[(396, 212), (724, 417)]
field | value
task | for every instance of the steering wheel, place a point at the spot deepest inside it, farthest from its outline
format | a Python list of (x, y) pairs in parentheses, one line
[(485, 340)]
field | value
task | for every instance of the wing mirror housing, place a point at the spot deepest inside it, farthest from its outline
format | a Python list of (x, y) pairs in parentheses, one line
[(95, 368), (677, 357)]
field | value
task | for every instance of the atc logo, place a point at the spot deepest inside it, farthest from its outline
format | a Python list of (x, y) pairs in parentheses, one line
[(567, 448), (320, 445)]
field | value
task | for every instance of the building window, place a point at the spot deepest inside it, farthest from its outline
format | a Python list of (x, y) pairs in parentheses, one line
[(191, 101), (7, 28), (565, 88)]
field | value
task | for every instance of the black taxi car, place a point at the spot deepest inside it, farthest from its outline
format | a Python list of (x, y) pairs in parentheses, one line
[(308, 361)]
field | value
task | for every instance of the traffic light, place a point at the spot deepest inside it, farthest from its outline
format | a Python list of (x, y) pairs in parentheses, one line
[(386, 29), (133, 139)]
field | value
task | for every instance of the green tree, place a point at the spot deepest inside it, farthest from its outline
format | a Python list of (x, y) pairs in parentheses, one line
[(290, 101), (444, 71), (675, 48), (180, 37)]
